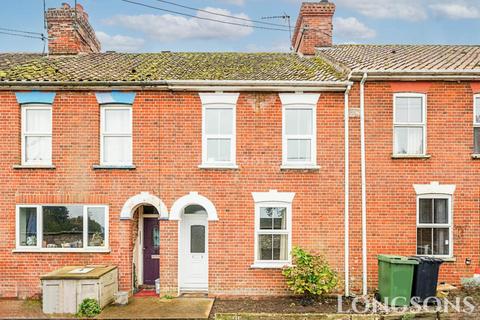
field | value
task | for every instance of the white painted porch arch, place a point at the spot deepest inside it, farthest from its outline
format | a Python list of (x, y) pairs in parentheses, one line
[(143, 198), (190, 199)]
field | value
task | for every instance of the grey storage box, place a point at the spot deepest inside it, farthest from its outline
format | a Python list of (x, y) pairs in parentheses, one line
[(65, 289)]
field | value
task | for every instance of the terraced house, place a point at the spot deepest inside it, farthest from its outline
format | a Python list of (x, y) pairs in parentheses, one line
[(202, 170)]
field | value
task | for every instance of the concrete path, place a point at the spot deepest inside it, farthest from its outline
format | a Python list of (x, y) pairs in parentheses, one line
[(138, 308), (156, 308)]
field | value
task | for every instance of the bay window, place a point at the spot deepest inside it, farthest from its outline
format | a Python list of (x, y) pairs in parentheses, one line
[(62, 227), (116, 135), (36, 134), (409, 124)]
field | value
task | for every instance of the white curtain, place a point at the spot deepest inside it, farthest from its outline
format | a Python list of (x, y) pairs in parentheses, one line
[(299, 149), (117, 121), (38, 121), (415, 141), (117, 150), (218, 121), (38, 149), (409, 140), (218, 150), (298, 121)]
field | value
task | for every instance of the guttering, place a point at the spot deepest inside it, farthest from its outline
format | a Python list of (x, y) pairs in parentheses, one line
[(182, 85), (347, 195), (406, 75), (364, 185)]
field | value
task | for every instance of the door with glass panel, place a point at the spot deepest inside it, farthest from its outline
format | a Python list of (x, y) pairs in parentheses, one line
[(151, 248), (193, 258)]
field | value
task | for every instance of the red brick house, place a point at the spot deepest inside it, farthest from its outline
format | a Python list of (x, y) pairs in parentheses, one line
[(204, 169)]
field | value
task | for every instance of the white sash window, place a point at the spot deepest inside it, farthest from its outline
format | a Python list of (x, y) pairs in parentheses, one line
[(36, 134), (219, 129), (116, 135), (409, 124)]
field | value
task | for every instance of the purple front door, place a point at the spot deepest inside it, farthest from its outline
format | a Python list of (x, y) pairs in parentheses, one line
[(151, 243)]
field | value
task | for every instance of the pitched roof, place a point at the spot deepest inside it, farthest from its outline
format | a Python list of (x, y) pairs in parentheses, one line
[(397, 58), (140, 67)]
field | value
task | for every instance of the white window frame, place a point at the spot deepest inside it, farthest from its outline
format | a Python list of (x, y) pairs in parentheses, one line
[(39, 248), (475, 123), (219, 101), (434, 190), (300, 101), (437, 225), (422, 125), (272, 199), (103, 108), (35, 106)]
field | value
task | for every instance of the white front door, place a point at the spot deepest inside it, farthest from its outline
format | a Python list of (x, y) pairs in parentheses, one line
[(193, 259)]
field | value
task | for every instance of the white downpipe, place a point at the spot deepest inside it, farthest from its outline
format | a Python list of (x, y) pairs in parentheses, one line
[(364, 185), (347, 195)]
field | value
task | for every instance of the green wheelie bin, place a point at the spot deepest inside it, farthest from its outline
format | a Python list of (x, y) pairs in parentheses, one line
[(395, 278)]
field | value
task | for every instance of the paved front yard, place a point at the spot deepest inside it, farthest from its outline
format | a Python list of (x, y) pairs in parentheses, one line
[(156, 308), (270, 308), (138, 308), (22, 309)]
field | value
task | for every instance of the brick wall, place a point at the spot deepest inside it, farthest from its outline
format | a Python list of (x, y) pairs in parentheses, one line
[(391, 199), (167, 152)]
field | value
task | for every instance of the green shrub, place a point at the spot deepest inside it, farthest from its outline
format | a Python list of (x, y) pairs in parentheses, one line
[(89, 308), (309, 276)]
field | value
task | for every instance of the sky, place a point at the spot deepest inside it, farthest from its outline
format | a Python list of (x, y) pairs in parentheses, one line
[(128, 27)]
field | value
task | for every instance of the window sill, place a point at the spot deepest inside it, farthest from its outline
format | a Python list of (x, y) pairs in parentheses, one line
[(449, 259), (310, 167), (476, 156), (60, 250), (34, 166), (107, 167), (218, 166), (445, 259), (270, 265), (414, 156)]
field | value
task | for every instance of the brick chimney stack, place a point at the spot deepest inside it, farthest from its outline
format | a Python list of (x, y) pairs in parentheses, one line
[(314, 27), (69, 31)]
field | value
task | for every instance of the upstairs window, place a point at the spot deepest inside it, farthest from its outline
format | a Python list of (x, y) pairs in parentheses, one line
[(409, 124), (476, 124), (36, 134), (218, 129), (116, 135), (299, 130)]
